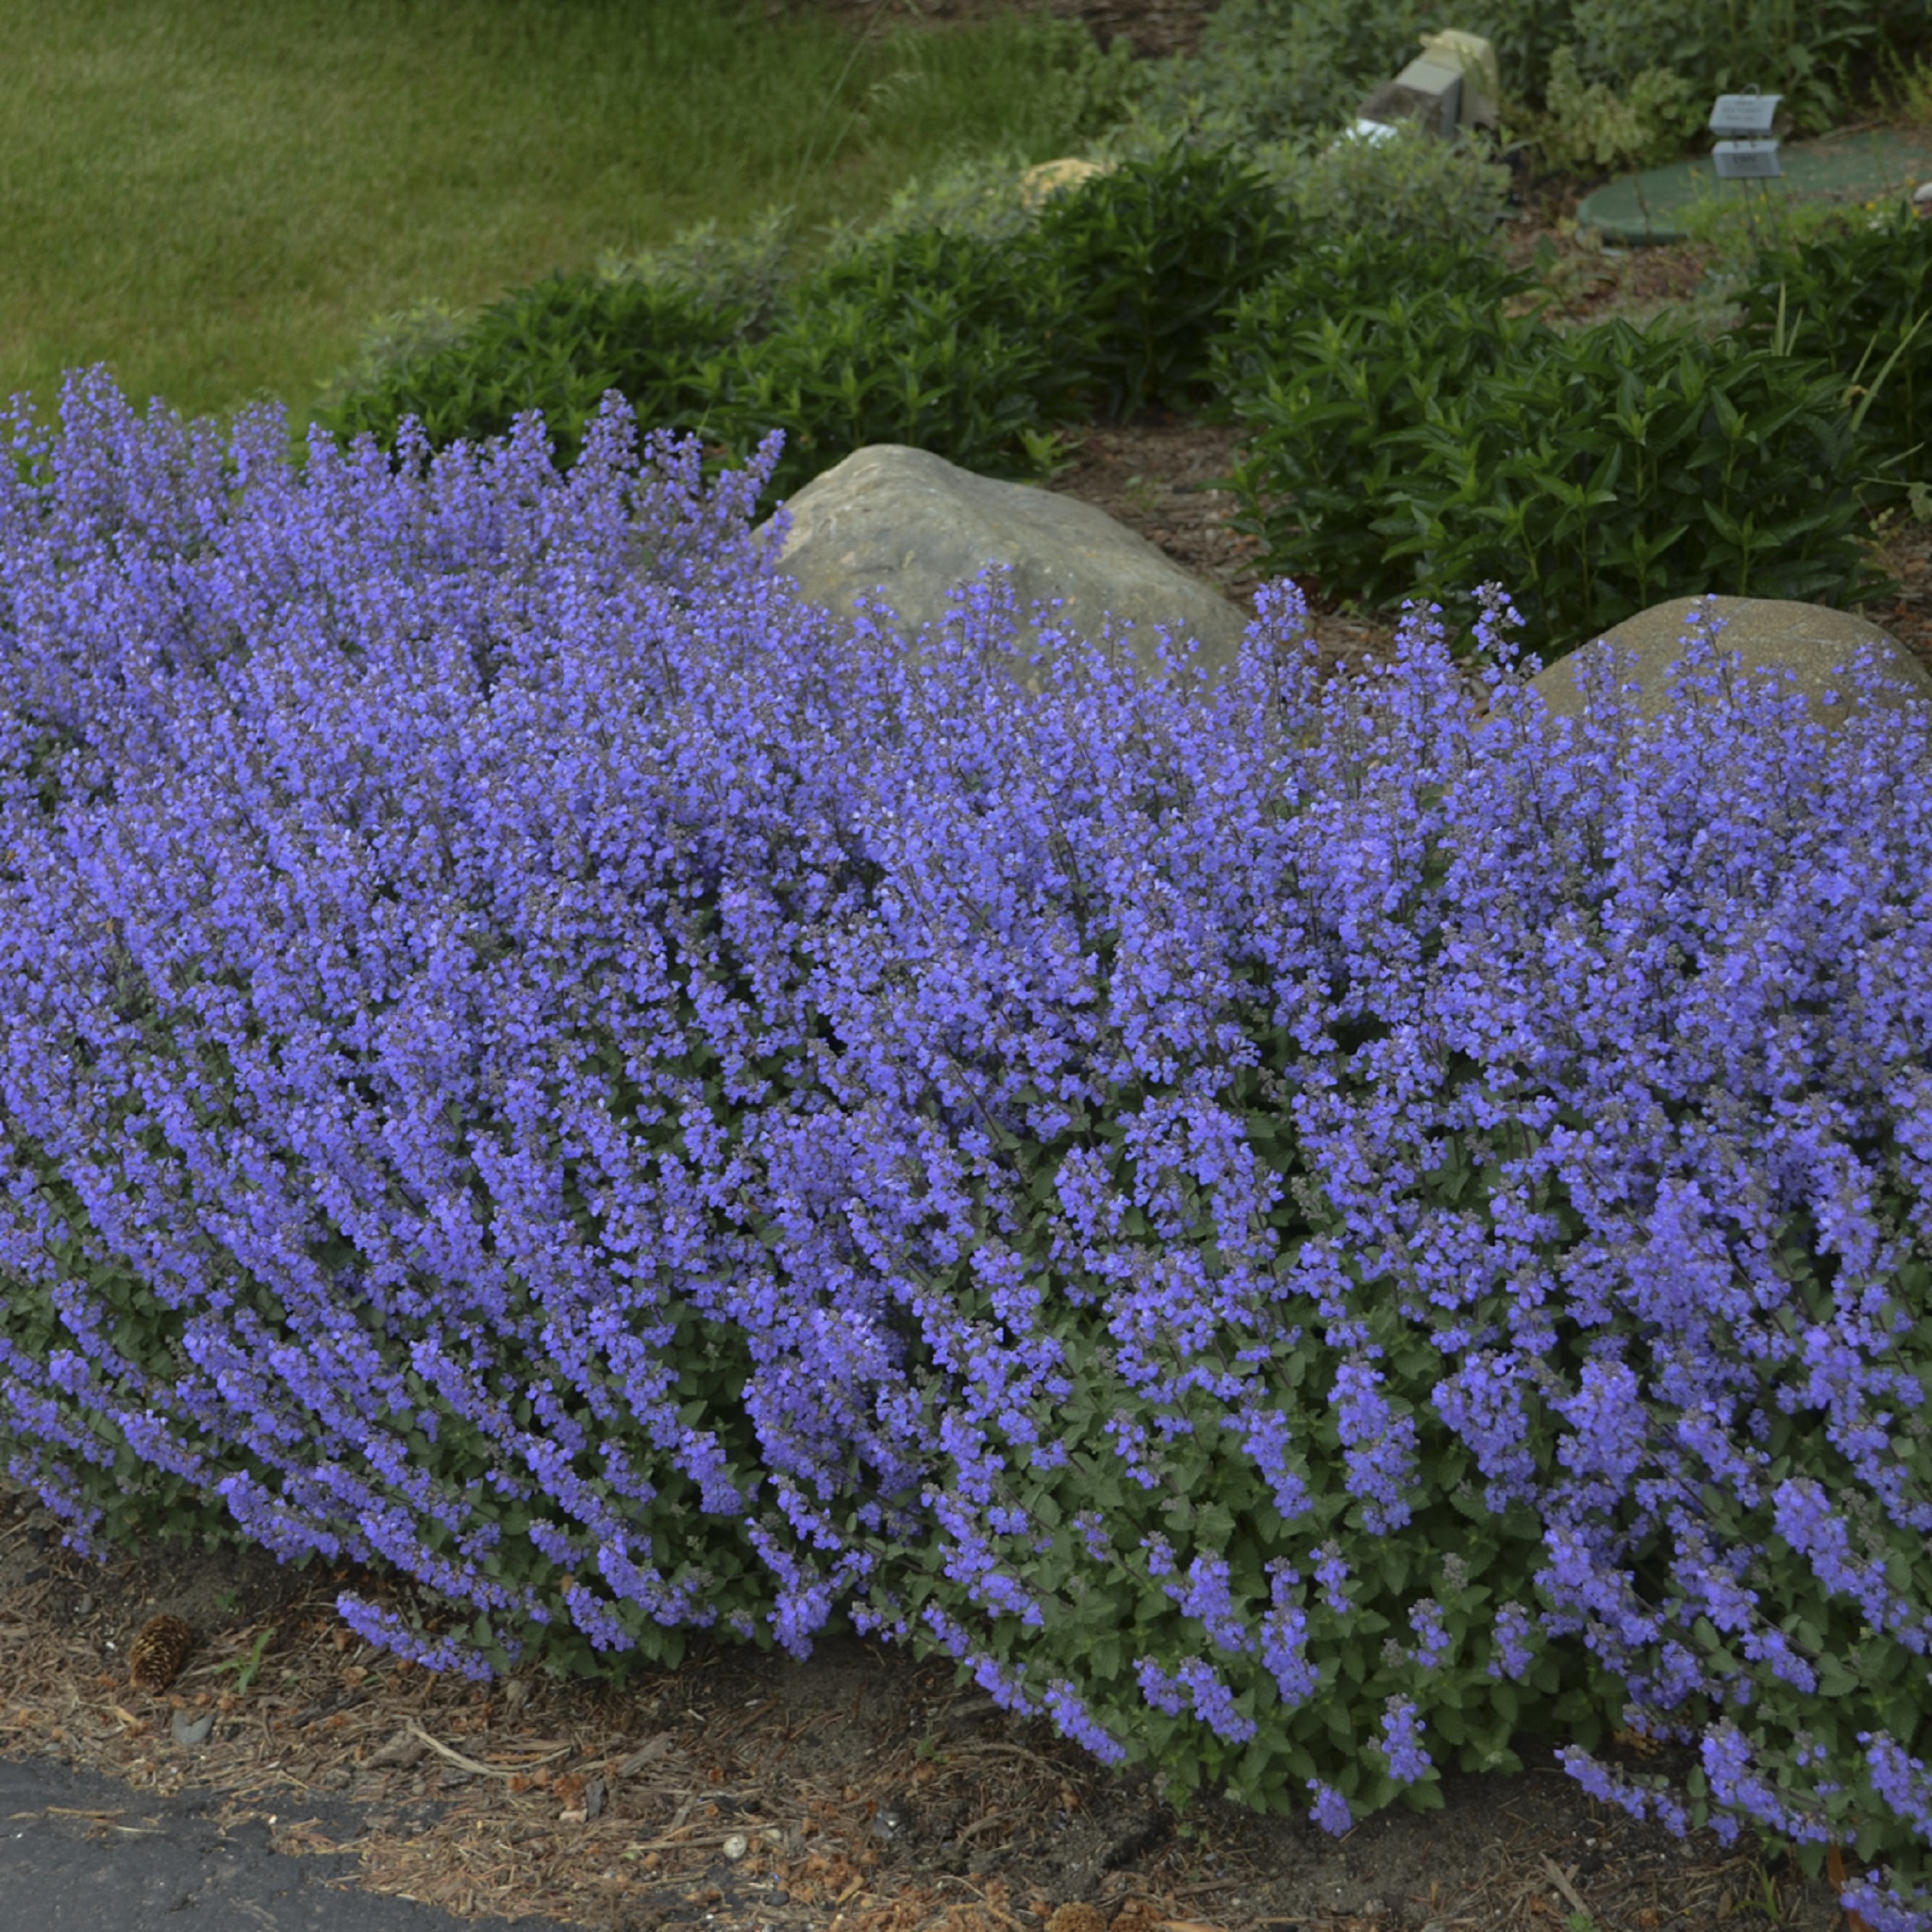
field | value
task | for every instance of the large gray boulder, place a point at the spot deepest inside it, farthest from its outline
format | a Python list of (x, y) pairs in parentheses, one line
[(1815, 645), (906, 528)]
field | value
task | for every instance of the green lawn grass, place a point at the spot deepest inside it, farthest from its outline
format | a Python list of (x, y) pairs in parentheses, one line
[(215, 197)]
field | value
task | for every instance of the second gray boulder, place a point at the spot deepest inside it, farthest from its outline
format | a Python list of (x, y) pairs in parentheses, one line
[(1815, 645)]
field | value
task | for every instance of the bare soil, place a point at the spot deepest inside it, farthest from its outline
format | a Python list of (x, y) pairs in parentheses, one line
[(859, 1791)]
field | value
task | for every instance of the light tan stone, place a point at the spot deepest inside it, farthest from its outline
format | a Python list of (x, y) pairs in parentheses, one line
[(1817, 645), (1058, 177)]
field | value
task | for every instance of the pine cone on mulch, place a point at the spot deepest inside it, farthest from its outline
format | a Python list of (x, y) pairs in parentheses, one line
[(159, 1649)]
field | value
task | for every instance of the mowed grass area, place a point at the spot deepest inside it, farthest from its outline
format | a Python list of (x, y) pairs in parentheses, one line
[(215, 197)]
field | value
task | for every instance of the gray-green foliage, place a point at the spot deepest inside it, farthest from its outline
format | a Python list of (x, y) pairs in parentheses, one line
[(978, 197), (396, 341), (1590, 124), (1409, 184), (746, 273), (1271, 69)]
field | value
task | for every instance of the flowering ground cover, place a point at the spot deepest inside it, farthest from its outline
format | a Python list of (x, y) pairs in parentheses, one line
[(537, 1063)]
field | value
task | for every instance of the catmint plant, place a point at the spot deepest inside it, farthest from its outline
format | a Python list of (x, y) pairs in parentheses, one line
[(1308, 1240)]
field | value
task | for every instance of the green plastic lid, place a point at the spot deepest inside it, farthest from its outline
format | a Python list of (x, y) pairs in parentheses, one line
[(1874, 164)]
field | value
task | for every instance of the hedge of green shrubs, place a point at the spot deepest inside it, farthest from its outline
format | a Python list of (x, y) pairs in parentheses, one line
[(965, 345), (1413, 444), (1412, 425)]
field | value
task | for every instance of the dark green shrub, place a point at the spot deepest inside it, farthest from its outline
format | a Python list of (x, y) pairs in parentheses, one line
[(1861, 299), (1337, 276), (970, 346), (555, 347), (1620, 466), (937, 339), (1328, 364), (1160, 249), (954, 342), (945, 342), (1430, 445), (1328, 425)]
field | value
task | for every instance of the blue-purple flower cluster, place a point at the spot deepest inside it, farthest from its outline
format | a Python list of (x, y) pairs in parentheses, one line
[(535, 1059)]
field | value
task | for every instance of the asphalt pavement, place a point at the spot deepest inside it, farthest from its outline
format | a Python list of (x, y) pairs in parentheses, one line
[(83, 1853)]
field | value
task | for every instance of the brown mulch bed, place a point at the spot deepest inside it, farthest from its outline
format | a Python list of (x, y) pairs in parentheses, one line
[(1904, 552), (1583, 280), (1160, 477), (858, 1790)]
